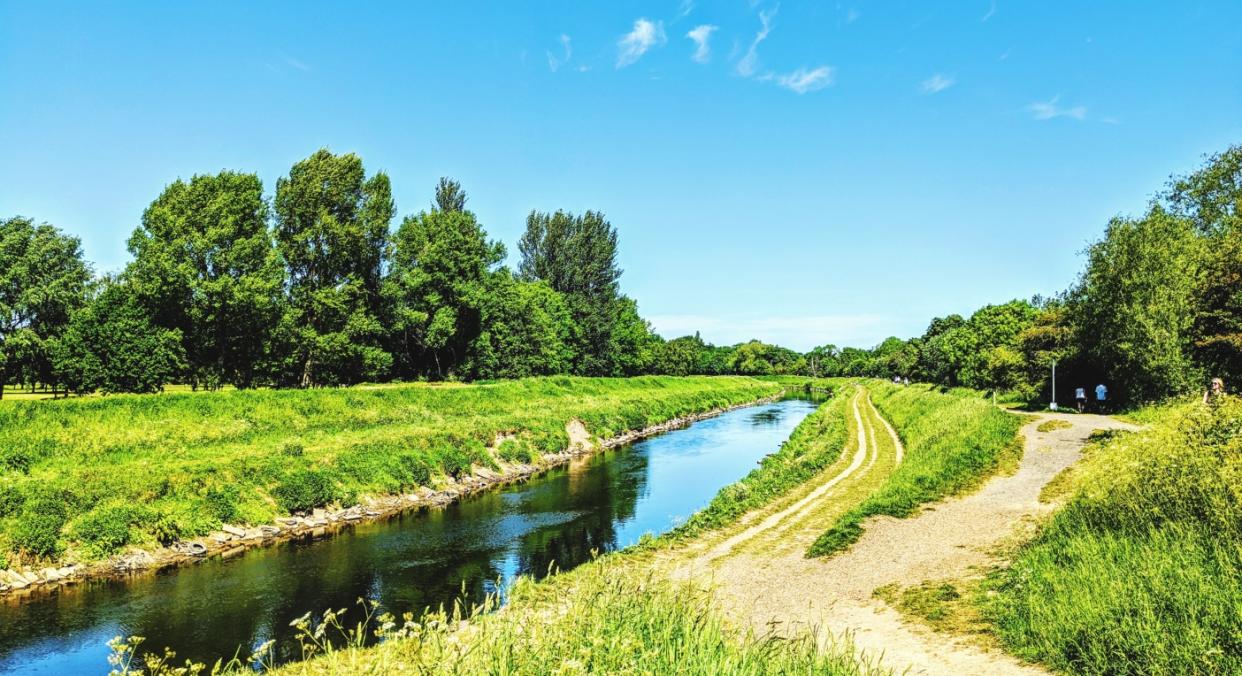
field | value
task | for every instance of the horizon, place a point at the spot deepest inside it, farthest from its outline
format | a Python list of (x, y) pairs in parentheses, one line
[(618, 109)]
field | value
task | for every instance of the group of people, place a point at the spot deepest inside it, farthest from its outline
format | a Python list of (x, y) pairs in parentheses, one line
[(1214, 393), (1101, 397)]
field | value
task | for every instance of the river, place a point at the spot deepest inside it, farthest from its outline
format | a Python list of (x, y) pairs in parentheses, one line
[(410, 562)]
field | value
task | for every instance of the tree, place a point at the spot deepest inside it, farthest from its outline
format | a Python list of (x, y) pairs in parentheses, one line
[(43, 280), (204, 264), (680, 356), (438, 284), (332, 232), (1211, 199), (1134, 305), (113, 345), (526, 331), (632, 345), (577, 256)]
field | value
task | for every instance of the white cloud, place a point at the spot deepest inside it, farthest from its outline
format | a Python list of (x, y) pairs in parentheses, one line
[(633, 45), (806, 80), (701, 35), (293, 63), (555, 61), (936, 84), (1047, 110), (799, 333), (990, 12), (749, 63), (685, 8)]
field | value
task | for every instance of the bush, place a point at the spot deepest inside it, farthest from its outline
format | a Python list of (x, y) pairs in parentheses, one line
[(222, 502), (305, 489), (37, 530), (415, 470), (292, 449), (11, 499), (105, 530)]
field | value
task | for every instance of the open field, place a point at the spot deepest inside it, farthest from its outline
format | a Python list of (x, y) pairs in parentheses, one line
[(84, 478)]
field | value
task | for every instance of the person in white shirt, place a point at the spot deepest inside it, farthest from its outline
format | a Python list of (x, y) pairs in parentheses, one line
[(1080, 397)]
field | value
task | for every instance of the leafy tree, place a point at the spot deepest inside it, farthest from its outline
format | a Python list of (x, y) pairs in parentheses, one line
[(1211, 199), (680, 356), (526, 331), (332, 232), (43, 279), (633, 347), (1134, 305), (205, 264), (439, 283), (113, 345), (577, 256)]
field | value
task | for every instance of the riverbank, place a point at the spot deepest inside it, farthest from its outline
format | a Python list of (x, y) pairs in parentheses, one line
[(598, 413)]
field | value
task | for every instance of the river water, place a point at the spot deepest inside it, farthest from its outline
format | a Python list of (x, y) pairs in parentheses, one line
[(413, 561)]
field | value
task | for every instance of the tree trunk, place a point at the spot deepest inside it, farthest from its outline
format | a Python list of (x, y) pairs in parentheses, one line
[(306, 373)]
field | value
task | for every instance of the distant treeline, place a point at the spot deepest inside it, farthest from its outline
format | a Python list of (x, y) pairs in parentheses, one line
[(312, 287)]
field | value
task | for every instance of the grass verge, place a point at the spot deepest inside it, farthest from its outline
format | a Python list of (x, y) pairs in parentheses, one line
[(83, 478), (1140, 571), (954, 440)]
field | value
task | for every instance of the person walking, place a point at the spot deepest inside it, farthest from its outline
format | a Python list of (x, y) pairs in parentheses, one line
[(1215, 392), (1101, 397), (1080, 398)]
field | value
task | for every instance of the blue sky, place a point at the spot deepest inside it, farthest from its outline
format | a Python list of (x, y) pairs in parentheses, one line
[(812, 173)]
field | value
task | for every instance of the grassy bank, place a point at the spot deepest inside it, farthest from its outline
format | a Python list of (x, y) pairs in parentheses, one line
[(1140, 571), (954, 440), (81, 479)]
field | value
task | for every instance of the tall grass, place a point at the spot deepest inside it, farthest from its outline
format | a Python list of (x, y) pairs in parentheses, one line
[(603, 618), (1141, 572), (83, 478), (954, 440)]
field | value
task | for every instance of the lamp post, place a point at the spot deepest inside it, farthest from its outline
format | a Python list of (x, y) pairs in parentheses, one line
[(1053, 405)]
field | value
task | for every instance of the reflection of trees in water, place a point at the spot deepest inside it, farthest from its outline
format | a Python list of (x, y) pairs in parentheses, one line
[(604, 494)]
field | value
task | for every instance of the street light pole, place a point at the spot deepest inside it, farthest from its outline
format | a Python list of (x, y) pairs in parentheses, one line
[(1053, 406)]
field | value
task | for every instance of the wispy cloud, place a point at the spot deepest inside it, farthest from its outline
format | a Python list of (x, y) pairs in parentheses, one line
[(701, 36), (685, 8), (633, 45), (555, 61), (806, 80), (851, 15), (799, 333), (936, 84), (749, 63), (990, 12), (293, 63), (1047, 110)]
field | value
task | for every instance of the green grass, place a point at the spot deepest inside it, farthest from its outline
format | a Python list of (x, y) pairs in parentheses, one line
[(1141, 571), (1052, 426), (82, 478), (954, 440), (815, 444)]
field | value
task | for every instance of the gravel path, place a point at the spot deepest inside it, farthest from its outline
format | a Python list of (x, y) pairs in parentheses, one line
[(781, 591)]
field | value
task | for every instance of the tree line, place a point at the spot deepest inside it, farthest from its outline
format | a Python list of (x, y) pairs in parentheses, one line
[(313, 287)]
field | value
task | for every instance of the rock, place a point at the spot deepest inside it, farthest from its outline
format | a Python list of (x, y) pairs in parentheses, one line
[(269, 531), (318, 532), (293, 521), (67, 571), (352, 516), (50, 574), (234, 530), (222, 538), (19, 583), (318, 514)]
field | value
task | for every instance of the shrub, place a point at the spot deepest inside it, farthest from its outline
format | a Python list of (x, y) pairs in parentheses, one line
[(415, 469), (292, 449), (222, 502), (105, 530), (37, 530), (305, 489), (11, 499)]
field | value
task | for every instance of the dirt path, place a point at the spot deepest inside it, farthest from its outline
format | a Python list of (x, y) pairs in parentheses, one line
[(761, 578)]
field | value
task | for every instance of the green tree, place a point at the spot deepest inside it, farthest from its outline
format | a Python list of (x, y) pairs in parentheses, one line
[(633, 347), (680, 356), (1211, 199), (43, 280), (526, 331), (332, 232), (1134, 305), (439, 283), (113, 345), (204, 264), (577, 256)]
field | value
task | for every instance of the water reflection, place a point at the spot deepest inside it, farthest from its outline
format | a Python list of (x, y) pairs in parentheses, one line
[(414, 561)]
